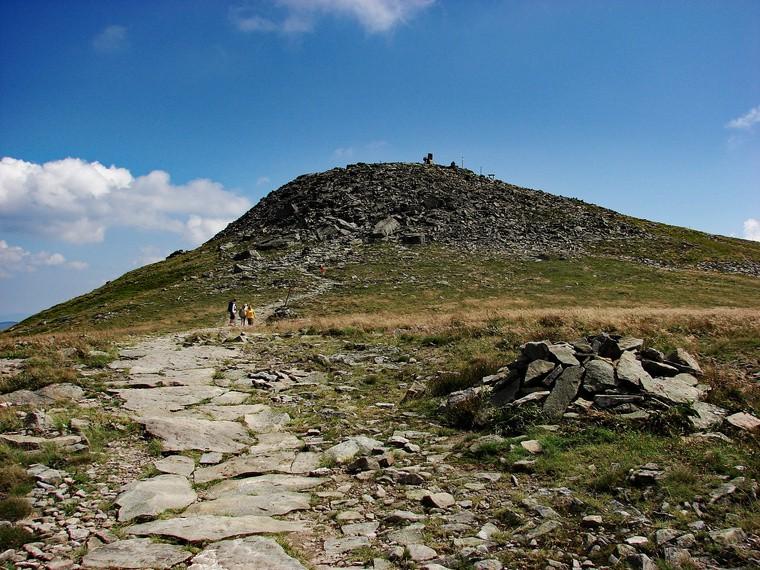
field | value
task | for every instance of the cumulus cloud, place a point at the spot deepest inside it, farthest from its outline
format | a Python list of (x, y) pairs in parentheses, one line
[(15, 259), (752, 229), (375, 16), (746, 121), (77, 201), (111, 39)]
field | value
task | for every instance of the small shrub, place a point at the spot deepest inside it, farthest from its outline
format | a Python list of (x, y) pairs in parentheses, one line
[(673, 421), (14, 480), (468, 376), (14, 537), (516, 421), (14, 509), (10, 420), (155, 448), (509, 518), (608, 480)]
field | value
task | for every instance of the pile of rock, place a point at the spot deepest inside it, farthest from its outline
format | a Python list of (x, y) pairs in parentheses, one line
[(610, 373), (414, 204)]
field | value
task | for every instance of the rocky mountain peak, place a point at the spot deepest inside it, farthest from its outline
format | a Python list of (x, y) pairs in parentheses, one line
[(420, 203)]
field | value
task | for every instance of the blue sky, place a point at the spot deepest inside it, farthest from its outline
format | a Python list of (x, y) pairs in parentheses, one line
[(195, 109)]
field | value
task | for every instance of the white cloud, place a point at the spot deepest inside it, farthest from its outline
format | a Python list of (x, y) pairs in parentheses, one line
[(746, 121), (77, 201), (375, 16), (752, 229), (263, 180), (149, 254), (111, 39), (15, 259)]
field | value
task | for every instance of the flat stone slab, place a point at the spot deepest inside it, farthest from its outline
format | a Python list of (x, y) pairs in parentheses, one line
[(266, 421), (346, 450), (271, 504), (250, 553), (185, 434), (263, 484), (206, 528), (150, 497), (61, 392), (24, 398), (223, 412), (136, 553), (273, 441), (230, 398), (168, 399), (671, 389), (176, 465), (282, 461)]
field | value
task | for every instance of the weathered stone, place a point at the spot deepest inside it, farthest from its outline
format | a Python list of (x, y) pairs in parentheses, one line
[(266, 421), (600, 376), (563, 354), (606, 401), (34, 443), (728, 536), (45, 474), (744, 421), (136, 553), (204, 528), (250, 553), (176, 465), (345, 544), (263, 484), (167, 399), (271, 504), (278, 461), (420, 552), (61, 392), (350, 448), (185, 434), (532, 446), (386, 227), (670, 389), (684, 361), (655, 368), (646, 475), (150, 497), (630, 370), (536, 350), (487, 443), (211, 458), (438, 500), (708, 416), (368, 529), (536, 371), (565, 390)]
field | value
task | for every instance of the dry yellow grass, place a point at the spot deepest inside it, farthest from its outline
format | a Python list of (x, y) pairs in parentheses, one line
[(716, 321)]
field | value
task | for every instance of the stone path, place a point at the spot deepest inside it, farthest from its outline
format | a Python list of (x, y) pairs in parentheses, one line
[(172, 389)]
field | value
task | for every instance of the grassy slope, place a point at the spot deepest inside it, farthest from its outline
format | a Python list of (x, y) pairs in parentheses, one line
[(175, 295)]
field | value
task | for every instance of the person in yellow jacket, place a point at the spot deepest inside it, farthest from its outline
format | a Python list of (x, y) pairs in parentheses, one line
[(250, 315)]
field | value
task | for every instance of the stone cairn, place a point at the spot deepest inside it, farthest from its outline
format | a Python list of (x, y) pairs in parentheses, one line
[(609, 373)]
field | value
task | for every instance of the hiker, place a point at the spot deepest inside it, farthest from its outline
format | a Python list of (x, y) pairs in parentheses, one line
[(249, 314), (241, 314), (232, 311)]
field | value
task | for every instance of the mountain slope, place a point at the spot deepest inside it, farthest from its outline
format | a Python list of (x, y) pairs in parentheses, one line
[(388, 233)]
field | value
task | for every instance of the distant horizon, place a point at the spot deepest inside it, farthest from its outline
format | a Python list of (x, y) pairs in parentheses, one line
[(128, 132)]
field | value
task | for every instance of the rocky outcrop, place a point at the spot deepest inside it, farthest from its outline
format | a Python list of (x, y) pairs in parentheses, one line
[(605, 373), (415, 204)]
